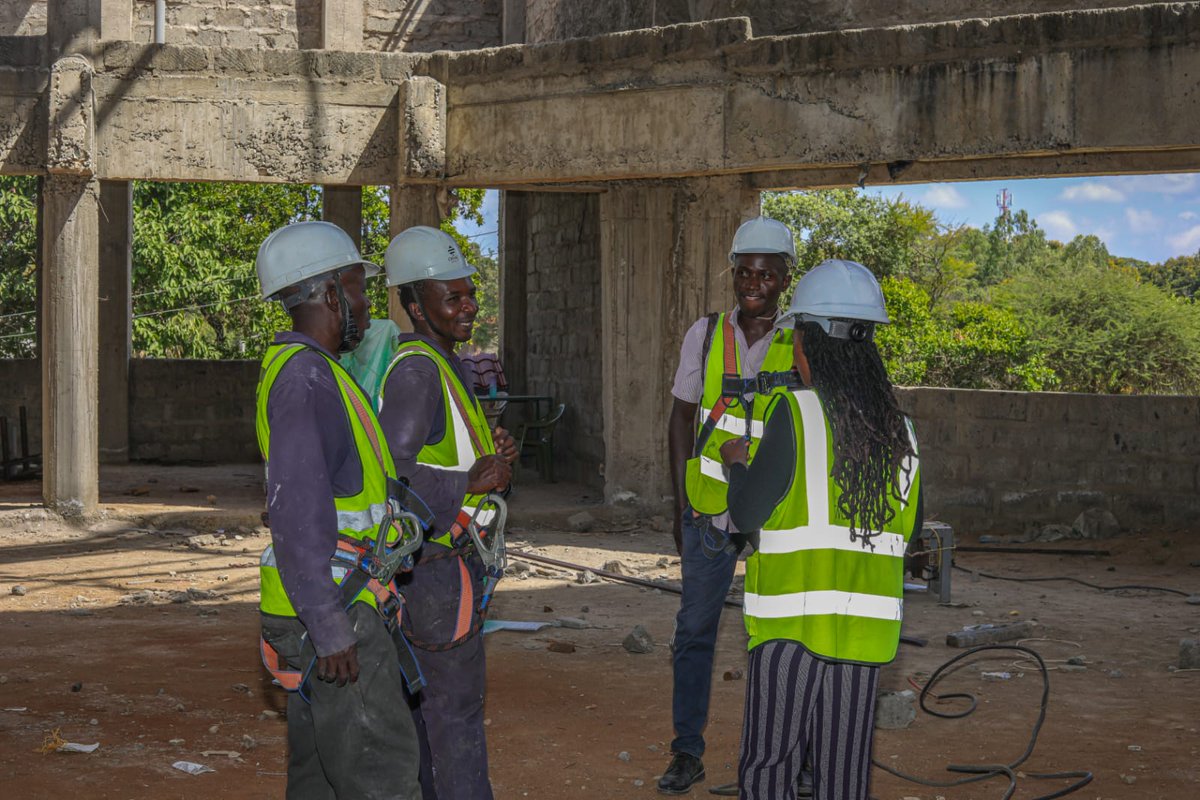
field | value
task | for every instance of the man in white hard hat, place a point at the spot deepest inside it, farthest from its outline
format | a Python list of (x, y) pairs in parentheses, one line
[(327, 491), (833, 492), (737, 344), (437, 431)]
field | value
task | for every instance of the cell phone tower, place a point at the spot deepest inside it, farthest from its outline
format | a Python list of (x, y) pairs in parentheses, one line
[(1004, 203)]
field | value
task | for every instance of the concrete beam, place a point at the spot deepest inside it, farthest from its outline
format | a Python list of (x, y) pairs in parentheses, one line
[(664, 264), (114, 325), (342, 25)]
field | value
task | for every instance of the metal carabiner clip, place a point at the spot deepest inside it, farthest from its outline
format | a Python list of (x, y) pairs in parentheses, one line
[(494, 557), (386, 561)]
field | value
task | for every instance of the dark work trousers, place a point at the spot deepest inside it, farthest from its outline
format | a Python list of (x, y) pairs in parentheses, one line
[(449, 710), (707, 574), (794, 700), (349, 743)]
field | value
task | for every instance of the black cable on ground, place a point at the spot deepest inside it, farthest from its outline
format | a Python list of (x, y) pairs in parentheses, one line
[(982, 772), (1073, 580)]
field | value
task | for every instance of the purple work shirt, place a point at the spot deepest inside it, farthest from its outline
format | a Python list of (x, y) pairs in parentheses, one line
[(312, 459), (414, 415)]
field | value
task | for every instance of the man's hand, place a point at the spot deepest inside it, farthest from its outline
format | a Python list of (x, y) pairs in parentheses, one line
[(506, 445), (339, 667), (735, 451), (489, 473)]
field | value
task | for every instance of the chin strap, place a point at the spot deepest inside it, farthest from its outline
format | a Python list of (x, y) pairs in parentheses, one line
[(351, 335)]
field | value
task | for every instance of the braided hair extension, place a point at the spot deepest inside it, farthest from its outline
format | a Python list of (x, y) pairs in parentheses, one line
[(870, 432)]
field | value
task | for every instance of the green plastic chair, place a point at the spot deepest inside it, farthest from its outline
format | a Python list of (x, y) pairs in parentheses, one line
[(538, 438)]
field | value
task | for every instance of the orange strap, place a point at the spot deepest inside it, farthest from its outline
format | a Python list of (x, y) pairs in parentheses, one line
[(466, 601), (729, 355)]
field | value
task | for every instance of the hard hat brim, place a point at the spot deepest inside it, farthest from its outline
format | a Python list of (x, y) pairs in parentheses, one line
[(465, 271)]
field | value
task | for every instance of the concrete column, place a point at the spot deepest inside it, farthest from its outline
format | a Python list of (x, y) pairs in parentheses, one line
[(514, 273), (342, 206), (115, 318), (342, 25), (410, 205), (664, 263), (70, 302)]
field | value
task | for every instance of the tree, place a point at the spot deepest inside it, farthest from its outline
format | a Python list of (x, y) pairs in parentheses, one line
[(1180, 275), (18, 267)]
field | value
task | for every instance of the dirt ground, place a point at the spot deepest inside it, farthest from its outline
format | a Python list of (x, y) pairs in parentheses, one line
[(133, 634)]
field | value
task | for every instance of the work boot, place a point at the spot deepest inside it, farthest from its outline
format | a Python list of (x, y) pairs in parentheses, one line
[(684, 771)]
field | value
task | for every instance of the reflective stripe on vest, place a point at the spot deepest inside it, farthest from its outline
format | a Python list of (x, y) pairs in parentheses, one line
[(359, 515), (467, 433), (809, 581), (706, 483)]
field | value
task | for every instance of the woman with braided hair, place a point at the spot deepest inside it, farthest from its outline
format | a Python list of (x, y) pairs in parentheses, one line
[(833, 490)]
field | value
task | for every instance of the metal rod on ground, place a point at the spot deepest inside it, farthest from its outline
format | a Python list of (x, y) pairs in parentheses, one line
[(666, 587)]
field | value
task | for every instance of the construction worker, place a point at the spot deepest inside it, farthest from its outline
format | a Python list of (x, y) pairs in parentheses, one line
[(327, 491), (834, 490), (440, 438), (739, 343)]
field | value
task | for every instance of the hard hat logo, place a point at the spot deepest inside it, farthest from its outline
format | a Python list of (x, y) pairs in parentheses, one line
[(843, 297), (423, 253)]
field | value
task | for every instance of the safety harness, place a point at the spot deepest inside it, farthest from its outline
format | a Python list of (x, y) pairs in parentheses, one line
[(369, 564)]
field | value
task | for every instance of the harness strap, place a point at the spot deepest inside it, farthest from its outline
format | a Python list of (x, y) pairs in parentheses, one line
[(730, 367)]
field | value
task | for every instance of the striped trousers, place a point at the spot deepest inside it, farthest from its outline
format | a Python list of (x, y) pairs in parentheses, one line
[(796, 702)]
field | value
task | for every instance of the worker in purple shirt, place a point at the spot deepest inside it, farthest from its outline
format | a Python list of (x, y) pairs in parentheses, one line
[(440, 439), (345, 738)]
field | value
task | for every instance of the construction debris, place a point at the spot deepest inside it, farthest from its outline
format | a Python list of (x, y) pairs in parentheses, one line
[(974, 635), (639, 640), (1189, 654), (895, 710)]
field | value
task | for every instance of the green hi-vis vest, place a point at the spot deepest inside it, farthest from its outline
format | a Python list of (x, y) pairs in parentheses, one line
[(808, 581), (467, 433), (706, 484), (358, 515)]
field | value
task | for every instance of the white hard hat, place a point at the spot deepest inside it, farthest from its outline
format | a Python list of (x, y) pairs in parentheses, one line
[(764, 235), (835, 290), (303, 250), (422, 253)]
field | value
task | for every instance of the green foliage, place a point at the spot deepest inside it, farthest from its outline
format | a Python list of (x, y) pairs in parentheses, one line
[(1100, 329), (1180, 275), (18, 266)]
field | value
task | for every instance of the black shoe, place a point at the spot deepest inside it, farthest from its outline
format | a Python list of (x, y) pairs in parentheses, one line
[(682, 773)]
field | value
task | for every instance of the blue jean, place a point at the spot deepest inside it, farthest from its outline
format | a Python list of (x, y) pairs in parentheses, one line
[(706, 580)]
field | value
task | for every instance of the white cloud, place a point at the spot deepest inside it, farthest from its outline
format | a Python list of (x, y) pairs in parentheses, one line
[(1059, 225), (1141, 221), (1186, 242), (942, 196), (1092, 191), (1162, 184), (1188, 215)]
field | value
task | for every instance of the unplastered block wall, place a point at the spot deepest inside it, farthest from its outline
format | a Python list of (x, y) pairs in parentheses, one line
[(563, 324), (1007, 461), (184, 410), (21, 385), (22, 17), (422, 26)]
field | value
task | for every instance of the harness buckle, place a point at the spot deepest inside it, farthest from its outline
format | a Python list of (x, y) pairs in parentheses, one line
[(494, 557)]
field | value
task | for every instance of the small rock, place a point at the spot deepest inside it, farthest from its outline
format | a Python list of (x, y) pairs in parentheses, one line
[(584, 609), (267, 713), (1096, 523), (176, 742), (560, 646), (547, 610), (488, 722), (1116, 673), (572, 622), (581, 522), (639, 640), (93, 721), (663, 562), (624, 756), (241, 687), (214, 728), (1052, 533), (519, 568), (615, 567), (77, 686), (203, 540), (733, 674), (977, 613), (1078, 661), (248, 742), (653, 748), (895, 710), (1072, 668), (638, 782), (585, 577), (3, 679), (1189, 654), (1129, 779), (18, 590), (1134, 748), (179, 707), (660, 523)]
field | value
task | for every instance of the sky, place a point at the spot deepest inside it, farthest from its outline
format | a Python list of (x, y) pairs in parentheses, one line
[(1148, 217)]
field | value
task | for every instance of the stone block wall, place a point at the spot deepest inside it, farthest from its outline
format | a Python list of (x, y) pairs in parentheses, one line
[(22, 17), (420, 26), (563, 326), (266, 24), (1003, 461), (182, 410)]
